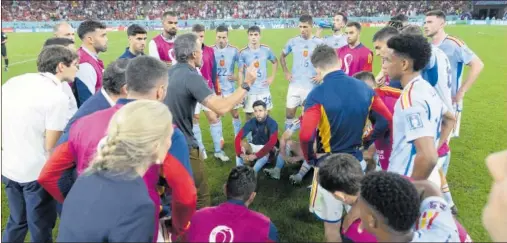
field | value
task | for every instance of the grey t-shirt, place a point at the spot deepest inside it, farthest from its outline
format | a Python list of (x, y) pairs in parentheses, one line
[(186, 88)]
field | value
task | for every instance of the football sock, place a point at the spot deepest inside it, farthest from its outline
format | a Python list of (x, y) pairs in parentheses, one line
[(216, 135), (305, 167), (236, 123), (288, 123)]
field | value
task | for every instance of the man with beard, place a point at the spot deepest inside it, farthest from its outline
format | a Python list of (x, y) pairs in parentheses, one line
[(137, 41), (89, 77), (338, 39), (264, 138), (208, 71), (355, 56), (161, 46), (227, 56)]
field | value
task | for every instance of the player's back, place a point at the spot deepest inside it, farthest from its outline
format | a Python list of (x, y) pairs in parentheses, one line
[(436, 223), (302, 68), (438, 74), (345, 103), (418, 112), (459, 54), (86, 133), (227, 222), (226, 58)]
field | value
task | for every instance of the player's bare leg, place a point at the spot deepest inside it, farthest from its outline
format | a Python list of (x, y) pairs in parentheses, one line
[(215, 127), (332, 232), (290, 113)]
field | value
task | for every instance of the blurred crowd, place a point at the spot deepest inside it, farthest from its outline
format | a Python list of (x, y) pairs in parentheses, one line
[(149, 10)]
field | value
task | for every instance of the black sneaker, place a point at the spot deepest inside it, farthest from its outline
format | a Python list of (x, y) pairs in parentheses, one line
[(454, 211)]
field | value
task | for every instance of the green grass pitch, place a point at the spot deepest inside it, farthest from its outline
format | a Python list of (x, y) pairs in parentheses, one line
[(483, 128)]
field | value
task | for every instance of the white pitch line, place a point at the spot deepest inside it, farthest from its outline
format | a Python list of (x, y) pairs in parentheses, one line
[(21, 62)]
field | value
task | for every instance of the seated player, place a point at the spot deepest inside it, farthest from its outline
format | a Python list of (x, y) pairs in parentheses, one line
[(264, 138), (342, 175), (379, 140), (290, 152), (232, 220)]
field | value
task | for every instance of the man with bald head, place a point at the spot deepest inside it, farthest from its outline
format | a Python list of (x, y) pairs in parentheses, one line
[(64, 30)]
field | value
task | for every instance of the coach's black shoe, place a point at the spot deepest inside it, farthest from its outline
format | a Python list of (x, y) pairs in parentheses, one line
[(454, 211)]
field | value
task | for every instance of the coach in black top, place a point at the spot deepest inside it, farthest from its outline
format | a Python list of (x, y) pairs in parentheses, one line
[(4, 51), (186, 88)]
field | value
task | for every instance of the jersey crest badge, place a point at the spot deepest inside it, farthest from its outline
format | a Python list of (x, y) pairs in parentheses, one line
[(414, 121), (305, 53)]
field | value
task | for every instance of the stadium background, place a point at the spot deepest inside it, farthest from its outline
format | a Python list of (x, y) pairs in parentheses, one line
[(477, 23)]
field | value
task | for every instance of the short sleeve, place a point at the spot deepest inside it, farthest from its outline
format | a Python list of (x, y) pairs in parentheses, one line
[(57, 113), (198, 88), (137, 225), (288, 48), (416, 123), (465, 54), (235, 58), (241, 60), (271, 55)]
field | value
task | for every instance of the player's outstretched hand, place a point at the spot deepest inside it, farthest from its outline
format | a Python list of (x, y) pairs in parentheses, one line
[(251, 74), (169, 64), (288, 76)]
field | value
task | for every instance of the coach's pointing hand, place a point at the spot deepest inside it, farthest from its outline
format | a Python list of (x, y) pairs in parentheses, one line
[(251, 74)]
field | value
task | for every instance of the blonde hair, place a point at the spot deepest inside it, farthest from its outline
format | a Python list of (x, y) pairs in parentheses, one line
[(133, 135)]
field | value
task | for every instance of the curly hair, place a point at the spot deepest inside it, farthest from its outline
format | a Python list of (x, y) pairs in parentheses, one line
[(393, 196), (414, 47)]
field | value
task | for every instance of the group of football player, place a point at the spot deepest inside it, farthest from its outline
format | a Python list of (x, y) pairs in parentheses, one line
[(378, 144), (410, 117)]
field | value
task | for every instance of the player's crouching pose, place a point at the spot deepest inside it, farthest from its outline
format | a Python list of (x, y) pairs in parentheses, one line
[(290, 152), (264, 138)]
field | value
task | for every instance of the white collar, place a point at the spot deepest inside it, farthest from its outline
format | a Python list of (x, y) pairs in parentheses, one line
[(95, 56), (52, 77), (416, 78), (108, 98), (168, 40)]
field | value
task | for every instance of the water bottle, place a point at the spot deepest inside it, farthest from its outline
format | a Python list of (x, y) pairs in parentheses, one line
[(325, 25)]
